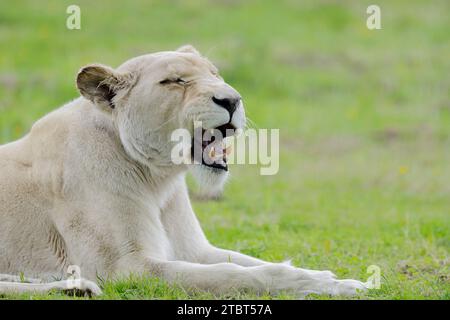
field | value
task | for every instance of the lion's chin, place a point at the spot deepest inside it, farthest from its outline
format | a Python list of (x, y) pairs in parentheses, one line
[(211, 181)]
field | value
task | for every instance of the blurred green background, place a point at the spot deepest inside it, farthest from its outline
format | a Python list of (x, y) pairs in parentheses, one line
[(364, 119)]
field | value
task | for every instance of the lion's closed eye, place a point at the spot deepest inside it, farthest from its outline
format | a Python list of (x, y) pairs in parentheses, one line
[(173, 81)]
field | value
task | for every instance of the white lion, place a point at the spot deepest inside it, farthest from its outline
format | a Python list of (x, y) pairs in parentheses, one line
[(93, 185)]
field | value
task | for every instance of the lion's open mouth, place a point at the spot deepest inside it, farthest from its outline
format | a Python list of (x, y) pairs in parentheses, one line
[(209, 147)]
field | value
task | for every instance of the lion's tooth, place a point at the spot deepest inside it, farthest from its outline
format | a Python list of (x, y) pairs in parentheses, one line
[(228, 150), (212, 153)]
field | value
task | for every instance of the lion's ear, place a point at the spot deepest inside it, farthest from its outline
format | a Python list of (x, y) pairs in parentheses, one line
[(189, 49), (100, 84)]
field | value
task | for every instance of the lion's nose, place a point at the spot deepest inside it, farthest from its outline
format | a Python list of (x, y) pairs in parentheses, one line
[(230, 104)]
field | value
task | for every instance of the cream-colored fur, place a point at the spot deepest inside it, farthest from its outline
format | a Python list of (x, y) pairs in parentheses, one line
[(93, 185)]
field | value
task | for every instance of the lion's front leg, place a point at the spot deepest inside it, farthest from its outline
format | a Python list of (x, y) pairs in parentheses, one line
[(222, 278), (208, 267)]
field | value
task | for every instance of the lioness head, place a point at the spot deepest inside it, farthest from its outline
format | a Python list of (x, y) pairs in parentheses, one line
[(150, 96)]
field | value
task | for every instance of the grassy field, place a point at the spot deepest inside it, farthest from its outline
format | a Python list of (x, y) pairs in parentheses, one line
[(364, 119)]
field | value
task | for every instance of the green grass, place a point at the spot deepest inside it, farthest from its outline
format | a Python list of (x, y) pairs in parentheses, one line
[(364, 119)]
